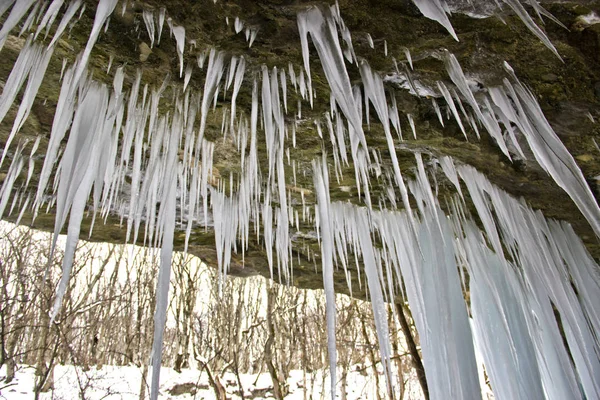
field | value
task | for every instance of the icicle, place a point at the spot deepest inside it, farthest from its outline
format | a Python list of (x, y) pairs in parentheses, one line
[(161, 22), (103, 11), (499, 324), (283, 82), (548, 150), (214, 72), (239, 78), (49, 17), (321, 178), (253, 33), (322, 29), (375, 92), (408, 57), (18, 11), (36, 75), (450, 102), (62, 120), (436, 10), (5, 5), (110, 62), (411, 121), (19, 73), (438, 112), (149, 22), (188, 76), (238, 25), (69, 14), (370, 41), (531, 25), (13, 172), (78, 167), (179, 32), (168, 212)]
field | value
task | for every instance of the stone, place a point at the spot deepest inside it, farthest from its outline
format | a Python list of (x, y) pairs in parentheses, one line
[(145, 51), (550, 77)]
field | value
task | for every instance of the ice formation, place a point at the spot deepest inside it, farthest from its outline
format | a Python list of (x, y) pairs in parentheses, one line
[(126, 156)]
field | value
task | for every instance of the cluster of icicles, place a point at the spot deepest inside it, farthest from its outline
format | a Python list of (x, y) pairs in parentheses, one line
[(128, 158)]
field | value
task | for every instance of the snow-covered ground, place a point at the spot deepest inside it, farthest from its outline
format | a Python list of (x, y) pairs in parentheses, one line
[(123, 383)]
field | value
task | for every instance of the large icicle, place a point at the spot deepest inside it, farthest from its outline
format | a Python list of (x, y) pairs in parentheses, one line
[(103, 11), (321, 178), (77, 170), (36, 75), (167, 213)]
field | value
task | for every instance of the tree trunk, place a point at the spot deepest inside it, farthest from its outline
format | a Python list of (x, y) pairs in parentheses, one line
[(279, 389), (215, 382), (412, 348), (372, 357), (143, 382)]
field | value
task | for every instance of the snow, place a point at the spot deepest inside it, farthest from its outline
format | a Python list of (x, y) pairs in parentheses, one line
[(123, 383)]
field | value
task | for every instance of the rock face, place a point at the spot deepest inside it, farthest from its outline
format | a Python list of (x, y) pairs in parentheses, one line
[(488, 36)]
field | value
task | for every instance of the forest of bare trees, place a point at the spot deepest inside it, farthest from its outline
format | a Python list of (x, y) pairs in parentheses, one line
[(247, 326)]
